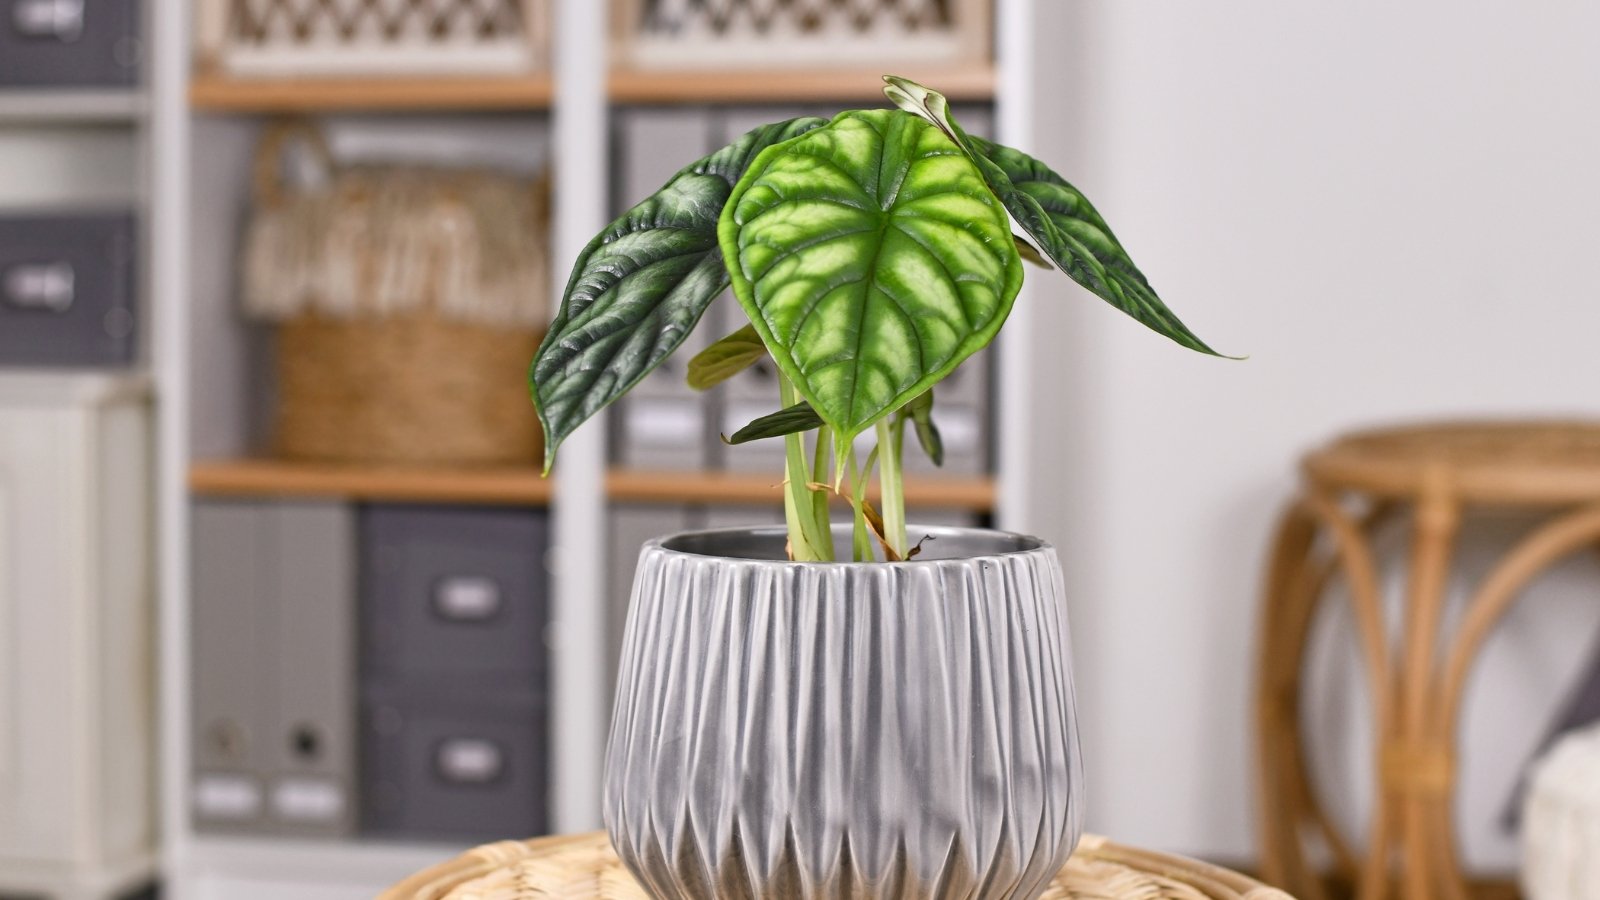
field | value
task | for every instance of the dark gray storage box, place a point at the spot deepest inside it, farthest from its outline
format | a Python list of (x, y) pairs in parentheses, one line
[(454, 594), (465, 766), (69, 43), (67, 288)]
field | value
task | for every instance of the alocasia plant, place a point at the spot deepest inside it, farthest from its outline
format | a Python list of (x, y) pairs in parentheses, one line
[(872, 254)]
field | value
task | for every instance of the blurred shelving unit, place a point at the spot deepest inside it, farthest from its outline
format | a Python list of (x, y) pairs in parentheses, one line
[(208, 367)]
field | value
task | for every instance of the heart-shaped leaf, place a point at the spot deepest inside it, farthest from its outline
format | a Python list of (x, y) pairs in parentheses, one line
[(1061, 221), (799, 417), (639, 288), (872, 259), (726, 358)]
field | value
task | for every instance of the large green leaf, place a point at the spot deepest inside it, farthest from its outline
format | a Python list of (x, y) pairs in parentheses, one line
[(1061, 221), (639, 288), (872, 259)]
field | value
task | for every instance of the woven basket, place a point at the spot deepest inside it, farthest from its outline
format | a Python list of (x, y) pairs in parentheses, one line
[(370, 374)]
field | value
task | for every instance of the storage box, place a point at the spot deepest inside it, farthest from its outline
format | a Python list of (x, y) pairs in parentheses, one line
[(67, 288), (468, 766), (456, 595), (69, 43)]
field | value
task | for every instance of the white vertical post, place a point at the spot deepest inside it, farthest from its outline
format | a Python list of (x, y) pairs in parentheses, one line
[(167, 291), (577, 552), (1014, 103)]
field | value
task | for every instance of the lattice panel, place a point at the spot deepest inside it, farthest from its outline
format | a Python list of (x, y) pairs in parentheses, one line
[(699, 33), (360, 37), (376, 22), (864, 17)]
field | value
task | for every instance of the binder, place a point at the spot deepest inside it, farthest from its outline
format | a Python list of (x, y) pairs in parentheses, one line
[(274, 668), (228, 653), (312, 740)]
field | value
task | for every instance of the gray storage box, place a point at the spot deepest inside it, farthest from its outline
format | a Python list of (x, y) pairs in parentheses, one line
[(469, 766), (274, 668), (457, 594), (69, 43), (67, 287)]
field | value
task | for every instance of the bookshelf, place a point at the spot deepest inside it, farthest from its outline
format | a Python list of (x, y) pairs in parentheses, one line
[(207, 367)]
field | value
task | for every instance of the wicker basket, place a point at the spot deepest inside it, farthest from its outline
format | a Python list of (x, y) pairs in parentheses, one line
[(434, 373)]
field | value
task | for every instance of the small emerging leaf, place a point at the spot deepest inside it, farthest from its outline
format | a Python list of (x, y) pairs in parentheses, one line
[(640, 287), (726, 358), (1066, 227), (872, 259), (1030, 253), (920, 411), (799, 417)]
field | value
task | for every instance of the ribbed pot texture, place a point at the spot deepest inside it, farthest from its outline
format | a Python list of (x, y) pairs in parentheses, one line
[(833, 730)]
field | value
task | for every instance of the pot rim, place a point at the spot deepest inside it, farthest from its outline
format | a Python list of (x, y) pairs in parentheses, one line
[(1024, 545)]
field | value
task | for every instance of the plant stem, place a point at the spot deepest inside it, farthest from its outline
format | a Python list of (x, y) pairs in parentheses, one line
[(809, 538), (819, 463), (891, 443), (861, 538)]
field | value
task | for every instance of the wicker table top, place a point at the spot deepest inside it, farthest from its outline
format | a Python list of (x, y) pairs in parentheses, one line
[(1524, 463), (582, 867)]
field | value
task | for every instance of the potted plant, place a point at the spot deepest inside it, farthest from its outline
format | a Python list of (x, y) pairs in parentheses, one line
[(866, 710)]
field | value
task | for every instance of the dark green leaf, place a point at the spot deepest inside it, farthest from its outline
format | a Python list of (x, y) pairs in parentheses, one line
[(1065, 226), (639, 288), (872, 259), (726, 358), (799, 417)]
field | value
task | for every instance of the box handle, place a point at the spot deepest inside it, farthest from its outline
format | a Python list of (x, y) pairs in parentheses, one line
[(47, 286), (467, 598), (469, 761), (48, 20)]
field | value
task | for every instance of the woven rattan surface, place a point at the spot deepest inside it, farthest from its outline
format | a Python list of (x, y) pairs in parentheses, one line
[(582, 867), (1535, 463)]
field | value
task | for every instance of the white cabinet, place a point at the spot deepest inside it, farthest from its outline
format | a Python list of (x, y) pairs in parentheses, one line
[(77, 690)]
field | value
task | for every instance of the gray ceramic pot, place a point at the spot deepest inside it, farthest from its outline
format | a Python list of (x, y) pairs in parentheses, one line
[(831, 730)]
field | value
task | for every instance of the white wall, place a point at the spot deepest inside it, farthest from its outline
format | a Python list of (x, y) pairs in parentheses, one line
[(1391, 207)]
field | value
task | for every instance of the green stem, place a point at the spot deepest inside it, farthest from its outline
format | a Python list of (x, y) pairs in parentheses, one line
[(891, 443), (809, 540), (861, 539), (819, 463)]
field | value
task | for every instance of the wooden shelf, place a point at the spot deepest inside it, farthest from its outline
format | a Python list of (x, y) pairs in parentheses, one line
[(524, 487), (975, 494), (71, 105), (216, 93), (790, 85), (219, 93), (511, 486)]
